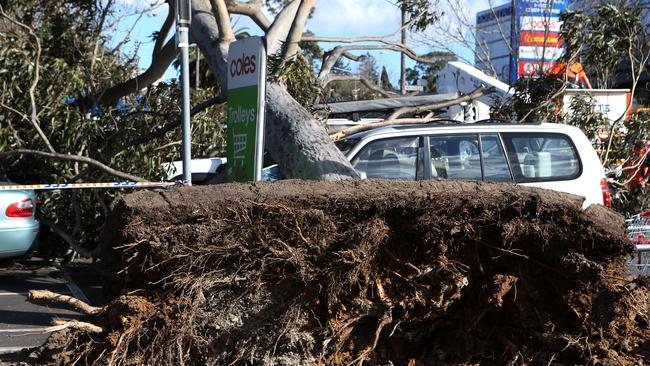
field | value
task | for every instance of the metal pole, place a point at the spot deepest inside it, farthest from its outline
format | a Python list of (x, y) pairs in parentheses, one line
[(402, 79), (197, 79), (183, 45)]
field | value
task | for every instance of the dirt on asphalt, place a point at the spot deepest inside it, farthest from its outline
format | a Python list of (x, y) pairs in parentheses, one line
[(363, 273)]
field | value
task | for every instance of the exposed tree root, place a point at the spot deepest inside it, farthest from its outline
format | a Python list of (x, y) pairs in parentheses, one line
[(59, 325), (364, 273), (54, 297)]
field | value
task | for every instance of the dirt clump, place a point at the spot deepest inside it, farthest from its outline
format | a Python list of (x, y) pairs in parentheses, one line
[(364, 273)]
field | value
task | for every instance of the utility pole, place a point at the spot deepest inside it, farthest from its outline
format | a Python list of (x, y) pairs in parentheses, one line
[(402, 81), (183, 19)]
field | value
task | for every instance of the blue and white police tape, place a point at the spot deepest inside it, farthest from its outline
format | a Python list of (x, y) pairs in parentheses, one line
[(119, 185)]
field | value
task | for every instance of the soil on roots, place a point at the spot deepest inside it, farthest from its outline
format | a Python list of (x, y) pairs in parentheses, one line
[(364, 272)]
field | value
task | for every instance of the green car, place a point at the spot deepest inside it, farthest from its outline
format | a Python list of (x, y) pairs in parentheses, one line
[(18, 225)]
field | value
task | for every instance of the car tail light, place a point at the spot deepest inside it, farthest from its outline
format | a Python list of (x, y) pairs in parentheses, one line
[(24, 208), (607, 197)]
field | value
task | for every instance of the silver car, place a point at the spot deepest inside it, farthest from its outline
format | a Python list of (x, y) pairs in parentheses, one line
[(18, 224)]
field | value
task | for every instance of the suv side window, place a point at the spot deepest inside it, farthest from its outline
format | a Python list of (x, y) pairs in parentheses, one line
[(455, 157), (495, 164), (542, 157), (392, 158)]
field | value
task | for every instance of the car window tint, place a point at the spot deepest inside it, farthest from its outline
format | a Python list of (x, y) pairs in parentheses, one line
[(394, 158), (495, 165), (455, 157), (541, 157)]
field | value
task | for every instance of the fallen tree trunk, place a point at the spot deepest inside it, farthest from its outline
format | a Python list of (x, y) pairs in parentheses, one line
[(293, 138), (365, 272)]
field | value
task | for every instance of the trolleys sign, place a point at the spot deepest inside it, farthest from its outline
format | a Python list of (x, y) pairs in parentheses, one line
[(246, 89)]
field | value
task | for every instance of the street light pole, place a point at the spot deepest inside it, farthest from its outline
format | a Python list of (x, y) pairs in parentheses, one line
[(183, 19)]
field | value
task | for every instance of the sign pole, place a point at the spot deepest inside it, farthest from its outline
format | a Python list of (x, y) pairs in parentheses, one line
[(183, 19)]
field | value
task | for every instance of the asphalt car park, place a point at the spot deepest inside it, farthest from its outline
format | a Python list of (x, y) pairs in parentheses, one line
[(23, 323)]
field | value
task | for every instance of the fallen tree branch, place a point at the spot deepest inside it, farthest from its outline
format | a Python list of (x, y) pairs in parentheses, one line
[(252, 9), (371, 126), (87, 253), (32, 88), (297, 26), (164, 31), (50, 296), (382, 39), (330, 57), (363, 80), (476, 93), (82, 159), (161, 131), (279, 30), (395, 120), (226, 34), (159, 63)]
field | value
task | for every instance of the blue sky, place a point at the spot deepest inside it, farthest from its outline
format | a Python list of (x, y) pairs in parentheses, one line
[(341, 18)]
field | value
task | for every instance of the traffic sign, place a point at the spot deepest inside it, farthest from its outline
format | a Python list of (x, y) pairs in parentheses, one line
[(414, 88)]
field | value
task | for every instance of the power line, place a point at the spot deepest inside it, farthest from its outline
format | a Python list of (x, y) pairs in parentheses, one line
[(392, 3)]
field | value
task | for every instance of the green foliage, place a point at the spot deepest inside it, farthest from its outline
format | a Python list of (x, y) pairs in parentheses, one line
[(311, 50), (198, 64), (385, 81), (275, 6), (626, 140), (533, 100), (421, 11), (75, 62), (611, 41), (604, 37), (584, 116), (540, 100), (429, 71), (347, 90), (340, 91), (297, 74), (369, 69)]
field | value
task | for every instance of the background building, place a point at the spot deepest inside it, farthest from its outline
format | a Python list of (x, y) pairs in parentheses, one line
[(519, 39)]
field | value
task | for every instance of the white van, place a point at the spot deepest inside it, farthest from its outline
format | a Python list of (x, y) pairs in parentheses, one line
[(547, 155)]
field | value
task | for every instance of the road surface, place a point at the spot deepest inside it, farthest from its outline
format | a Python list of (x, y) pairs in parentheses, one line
[(22, 323)]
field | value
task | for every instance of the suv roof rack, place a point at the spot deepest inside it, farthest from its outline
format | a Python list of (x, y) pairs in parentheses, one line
[(506, 121), (443, 121), (447, 121)]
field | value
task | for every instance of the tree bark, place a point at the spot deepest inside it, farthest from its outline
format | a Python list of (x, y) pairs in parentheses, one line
[(295, 34), (298, 143), (294, 139)]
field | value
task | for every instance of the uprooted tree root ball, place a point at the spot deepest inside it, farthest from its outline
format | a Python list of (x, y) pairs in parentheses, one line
[(363, 272)]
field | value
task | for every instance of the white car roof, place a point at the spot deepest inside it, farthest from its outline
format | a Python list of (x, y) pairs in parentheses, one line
[(409, 130)]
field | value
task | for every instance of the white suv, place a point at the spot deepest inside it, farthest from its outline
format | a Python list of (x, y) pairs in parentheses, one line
[(546, 155)]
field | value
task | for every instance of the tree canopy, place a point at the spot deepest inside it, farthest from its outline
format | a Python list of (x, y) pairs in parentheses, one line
[(53, 53)]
